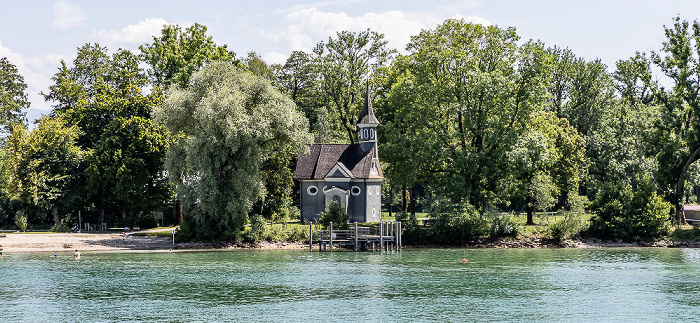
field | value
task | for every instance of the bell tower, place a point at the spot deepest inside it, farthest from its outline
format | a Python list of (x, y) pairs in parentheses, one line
[(367, 125)]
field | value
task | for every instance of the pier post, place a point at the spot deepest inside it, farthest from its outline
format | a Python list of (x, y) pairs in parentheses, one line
[(399, 235), (381, 235), (356, 236), (311, 236), (330, 237)]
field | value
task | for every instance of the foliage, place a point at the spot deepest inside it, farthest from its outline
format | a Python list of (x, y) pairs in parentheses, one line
[(677, 136), (44, 167), (257, 229), (570, 225), (638, 214), (13, 96), (106, 97), (336, 214), (503, 226), (461, 93), (176, 54), (21, 221), (228, 123), (344, 64), (457, 224), (59, 228)]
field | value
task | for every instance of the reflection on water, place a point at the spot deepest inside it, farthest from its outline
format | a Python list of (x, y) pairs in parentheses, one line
[(650, 284)]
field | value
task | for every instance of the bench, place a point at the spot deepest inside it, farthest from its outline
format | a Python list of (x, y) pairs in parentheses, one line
[(694, 222)]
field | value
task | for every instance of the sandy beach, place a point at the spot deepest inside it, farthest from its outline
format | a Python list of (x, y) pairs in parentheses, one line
[(32, 242)]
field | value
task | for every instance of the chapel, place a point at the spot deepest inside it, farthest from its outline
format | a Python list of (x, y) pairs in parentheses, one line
[(349, 174)]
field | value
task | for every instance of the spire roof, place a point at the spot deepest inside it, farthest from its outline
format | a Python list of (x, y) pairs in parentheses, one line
[(367, 115)]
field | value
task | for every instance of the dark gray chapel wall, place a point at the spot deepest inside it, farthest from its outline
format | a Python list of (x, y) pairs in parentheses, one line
[(374, 201), (311, 205), (356, 207)]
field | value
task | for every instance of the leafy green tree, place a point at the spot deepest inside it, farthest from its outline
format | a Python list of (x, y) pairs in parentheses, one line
[(299, 78), (106, 98), (13, 96), (228, 123), (678, 132), (465, 89), (176, 54), (345, 64), (44, 166)]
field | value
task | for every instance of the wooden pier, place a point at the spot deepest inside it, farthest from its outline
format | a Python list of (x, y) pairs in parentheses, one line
[(385, 237)]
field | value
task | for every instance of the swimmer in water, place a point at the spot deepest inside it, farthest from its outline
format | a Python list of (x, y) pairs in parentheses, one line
[(77, 254)]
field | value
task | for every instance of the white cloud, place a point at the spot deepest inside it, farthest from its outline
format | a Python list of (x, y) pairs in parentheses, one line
[(306, 27), (36, 71), (66, 15), (275, 58), (131, 36)]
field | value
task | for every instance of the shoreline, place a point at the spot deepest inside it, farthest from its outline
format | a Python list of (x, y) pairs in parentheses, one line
[(59, 242)]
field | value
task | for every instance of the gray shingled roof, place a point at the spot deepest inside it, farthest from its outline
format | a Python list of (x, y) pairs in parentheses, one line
[(322, 157), (367, 115)]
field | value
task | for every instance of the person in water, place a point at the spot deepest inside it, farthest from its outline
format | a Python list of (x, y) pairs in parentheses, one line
[(77, 254)]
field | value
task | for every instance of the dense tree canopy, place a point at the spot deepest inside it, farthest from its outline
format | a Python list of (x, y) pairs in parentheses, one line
[(176, 54), (465, 88)]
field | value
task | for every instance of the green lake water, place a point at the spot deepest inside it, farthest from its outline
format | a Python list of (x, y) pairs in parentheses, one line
[(527, 285)]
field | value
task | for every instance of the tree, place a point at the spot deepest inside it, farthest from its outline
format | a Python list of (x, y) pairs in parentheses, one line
[(467, 87), (546, 159), (176, 54), (44, 166), (105, 97), (299, 77), (13, 96), (228, 123), (345, 65), (678, 132)]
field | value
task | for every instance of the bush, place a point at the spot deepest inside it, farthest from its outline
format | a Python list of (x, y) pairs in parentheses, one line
[(257, 229), (569, 226), (21, 221), (504, 226), (59, 228), (630, 215), (458, 224), (336, 214)]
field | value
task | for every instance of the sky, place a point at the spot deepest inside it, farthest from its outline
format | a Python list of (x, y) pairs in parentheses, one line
[(36, 35)]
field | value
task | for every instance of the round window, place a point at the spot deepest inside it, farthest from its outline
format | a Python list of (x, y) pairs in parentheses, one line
[(355, 190), (312, 190)]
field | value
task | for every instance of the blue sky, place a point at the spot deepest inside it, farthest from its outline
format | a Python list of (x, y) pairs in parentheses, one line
[(36, 35)]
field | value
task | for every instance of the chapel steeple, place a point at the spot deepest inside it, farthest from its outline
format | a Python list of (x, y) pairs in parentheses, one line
[(367, 125)]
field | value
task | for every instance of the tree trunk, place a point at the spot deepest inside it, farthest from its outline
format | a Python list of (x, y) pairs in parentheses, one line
[(56, 220), (680, 216), (413, 200), (404, 201), (528, 207), (391, 200), (102, 215)]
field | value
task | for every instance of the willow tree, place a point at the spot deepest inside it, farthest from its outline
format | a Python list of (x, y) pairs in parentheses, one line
[(228, 122), (466, 87)]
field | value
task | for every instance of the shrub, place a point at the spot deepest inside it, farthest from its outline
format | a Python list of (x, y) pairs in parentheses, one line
[(21, 221), (257, 229), (504, 226), (570, 225), (458, 224), (630, 215), (59, 228), (336, 214)]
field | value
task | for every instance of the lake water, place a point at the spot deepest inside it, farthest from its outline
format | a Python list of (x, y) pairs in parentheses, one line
[(550, 285)]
